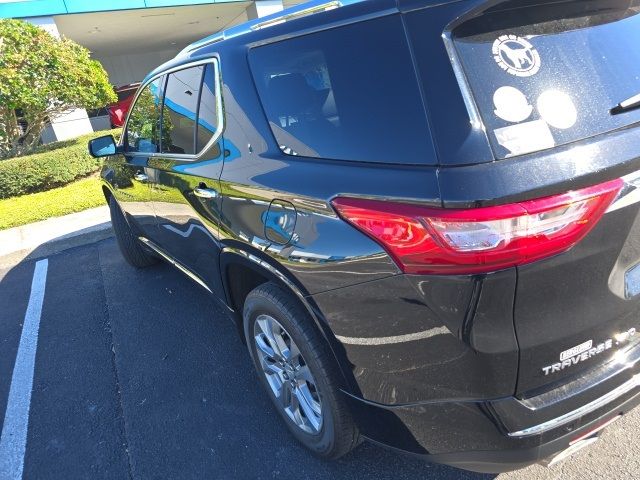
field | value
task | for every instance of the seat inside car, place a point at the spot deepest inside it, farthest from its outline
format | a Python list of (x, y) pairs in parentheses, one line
[(299, 107)]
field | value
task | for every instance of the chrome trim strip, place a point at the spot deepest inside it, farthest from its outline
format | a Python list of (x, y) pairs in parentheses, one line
[(213, 40), (219, 109), (629, 194), (175, 263), (579, 412), (299, 14), (465, 88)]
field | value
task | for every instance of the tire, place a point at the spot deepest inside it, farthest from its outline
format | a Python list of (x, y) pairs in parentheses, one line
[(130, 246), (335, 434)]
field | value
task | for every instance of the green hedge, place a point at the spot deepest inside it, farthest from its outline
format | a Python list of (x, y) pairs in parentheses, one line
[(51, 166)]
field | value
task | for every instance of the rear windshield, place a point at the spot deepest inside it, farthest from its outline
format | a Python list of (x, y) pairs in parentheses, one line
[(548, 75), (347, 94)]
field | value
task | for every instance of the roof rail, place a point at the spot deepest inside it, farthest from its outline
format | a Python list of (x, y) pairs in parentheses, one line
[(290, 13), (299, 14)]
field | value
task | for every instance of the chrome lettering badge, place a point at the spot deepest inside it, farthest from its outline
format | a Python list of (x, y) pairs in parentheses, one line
[(587, 350)]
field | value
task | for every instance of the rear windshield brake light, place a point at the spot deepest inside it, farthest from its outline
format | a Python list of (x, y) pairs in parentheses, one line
[(426, 240)]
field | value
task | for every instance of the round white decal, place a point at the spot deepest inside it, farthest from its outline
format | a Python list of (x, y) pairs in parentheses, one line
[(557, 109), (511, 104), (516, 56)]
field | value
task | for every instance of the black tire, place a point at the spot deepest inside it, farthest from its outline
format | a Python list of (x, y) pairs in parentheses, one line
[(338, 434), (130, 246)]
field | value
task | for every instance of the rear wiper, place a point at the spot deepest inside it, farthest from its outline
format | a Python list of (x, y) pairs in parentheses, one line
[(626, 105)]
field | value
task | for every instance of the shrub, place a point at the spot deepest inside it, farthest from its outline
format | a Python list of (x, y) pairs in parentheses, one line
[(51, 166)]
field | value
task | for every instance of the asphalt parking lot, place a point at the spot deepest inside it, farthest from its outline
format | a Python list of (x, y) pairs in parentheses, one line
[(139, 374)]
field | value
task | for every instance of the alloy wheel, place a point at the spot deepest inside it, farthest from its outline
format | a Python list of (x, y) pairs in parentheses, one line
[(288, 374)]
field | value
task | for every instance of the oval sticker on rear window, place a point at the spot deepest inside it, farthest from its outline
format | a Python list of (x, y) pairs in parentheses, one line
[(516, 56)]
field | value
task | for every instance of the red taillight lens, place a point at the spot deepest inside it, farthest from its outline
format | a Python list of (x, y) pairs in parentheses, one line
[(431, 240)]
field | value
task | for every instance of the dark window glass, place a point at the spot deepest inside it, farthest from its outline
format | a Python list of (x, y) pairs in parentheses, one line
[(144, 119), (180, 110), (208, 112), (549, 75), (347, 94)]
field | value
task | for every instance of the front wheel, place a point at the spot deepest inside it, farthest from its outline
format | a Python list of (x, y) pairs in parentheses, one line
[(295, 366), (129, 244)]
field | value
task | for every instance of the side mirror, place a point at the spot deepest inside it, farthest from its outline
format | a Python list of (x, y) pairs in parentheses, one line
[(102, 146)]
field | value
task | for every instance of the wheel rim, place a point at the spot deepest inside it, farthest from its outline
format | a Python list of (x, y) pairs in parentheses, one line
[(287, 374)]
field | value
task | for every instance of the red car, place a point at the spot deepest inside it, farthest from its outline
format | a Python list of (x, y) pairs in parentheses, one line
[(118, 111)]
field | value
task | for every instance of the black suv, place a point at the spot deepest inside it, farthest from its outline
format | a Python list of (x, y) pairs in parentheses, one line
[(422, 216)]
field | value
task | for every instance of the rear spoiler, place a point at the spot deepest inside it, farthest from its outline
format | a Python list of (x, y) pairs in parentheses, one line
[(545, 10)]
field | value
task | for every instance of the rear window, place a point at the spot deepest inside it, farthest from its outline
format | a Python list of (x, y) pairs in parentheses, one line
[(549, 74), (347, 94)]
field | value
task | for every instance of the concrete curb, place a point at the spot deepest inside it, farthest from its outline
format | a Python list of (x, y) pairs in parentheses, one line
[(57, 246), (42, 239)]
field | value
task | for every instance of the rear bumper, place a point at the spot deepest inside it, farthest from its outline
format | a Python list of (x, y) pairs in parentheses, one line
[(433, 365), (469, 435)]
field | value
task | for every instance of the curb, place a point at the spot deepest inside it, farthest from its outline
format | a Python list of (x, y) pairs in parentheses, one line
[(76, 239)]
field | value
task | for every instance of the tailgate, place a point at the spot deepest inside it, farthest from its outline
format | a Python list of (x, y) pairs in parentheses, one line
[(581, 309), (543, 75)]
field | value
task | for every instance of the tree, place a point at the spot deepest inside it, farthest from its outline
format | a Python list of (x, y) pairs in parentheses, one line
[(143, 124), (41, 77)]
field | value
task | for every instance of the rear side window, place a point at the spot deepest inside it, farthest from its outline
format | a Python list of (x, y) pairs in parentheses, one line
[(180, 110), (208, 112), (143, 126), (549, 74), (347, 94)]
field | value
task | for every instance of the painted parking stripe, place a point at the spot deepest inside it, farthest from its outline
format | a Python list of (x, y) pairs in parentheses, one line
[(13, 441)]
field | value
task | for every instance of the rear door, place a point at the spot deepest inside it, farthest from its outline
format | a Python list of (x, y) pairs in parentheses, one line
[(543, 78), (186, 172)]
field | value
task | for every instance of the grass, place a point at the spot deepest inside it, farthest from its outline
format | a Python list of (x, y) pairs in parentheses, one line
[(74, 197)]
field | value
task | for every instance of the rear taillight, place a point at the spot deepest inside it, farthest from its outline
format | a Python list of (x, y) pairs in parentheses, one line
[(446, 241)]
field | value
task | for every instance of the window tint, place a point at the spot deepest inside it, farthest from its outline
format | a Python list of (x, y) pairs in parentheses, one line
[(548, 76), (347, 94), (180, 110), (208, 112), (144, 120)]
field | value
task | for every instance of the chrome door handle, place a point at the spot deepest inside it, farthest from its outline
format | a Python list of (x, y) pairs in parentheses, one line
[(141, 177), (208, 193)]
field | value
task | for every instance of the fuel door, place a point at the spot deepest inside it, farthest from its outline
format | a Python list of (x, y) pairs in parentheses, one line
[(280, 222)]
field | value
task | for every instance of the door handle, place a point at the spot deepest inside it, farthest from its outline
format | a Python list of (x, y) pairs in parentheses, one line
[(204, 192), (141, 177)]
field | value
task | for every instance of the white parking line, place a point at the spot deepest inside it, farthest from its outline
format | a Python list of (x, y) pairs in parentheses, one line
[(13, 441)]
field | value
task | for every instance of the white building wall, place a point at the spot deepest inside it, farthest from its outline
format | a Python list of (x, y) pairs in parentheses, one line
[(262, 8), (125, 69)]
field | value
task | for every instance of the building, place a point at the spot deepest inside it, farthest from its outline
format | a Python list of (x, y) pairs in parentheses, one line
[(131, 37)]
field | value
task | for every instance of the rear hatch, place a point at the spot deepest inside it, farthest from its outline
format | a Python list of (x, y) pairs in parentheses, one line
[(544, 75)]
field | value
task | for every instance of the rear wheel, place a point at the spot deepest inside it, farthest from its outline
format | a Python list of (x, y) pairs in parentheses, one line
[(294, 364), (130, 246)]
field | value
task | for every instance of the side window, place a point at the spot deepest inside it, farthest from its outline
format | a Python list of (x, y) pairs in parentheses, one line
[(180, 110), (208, 112), (350, 93), (144, 120)]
